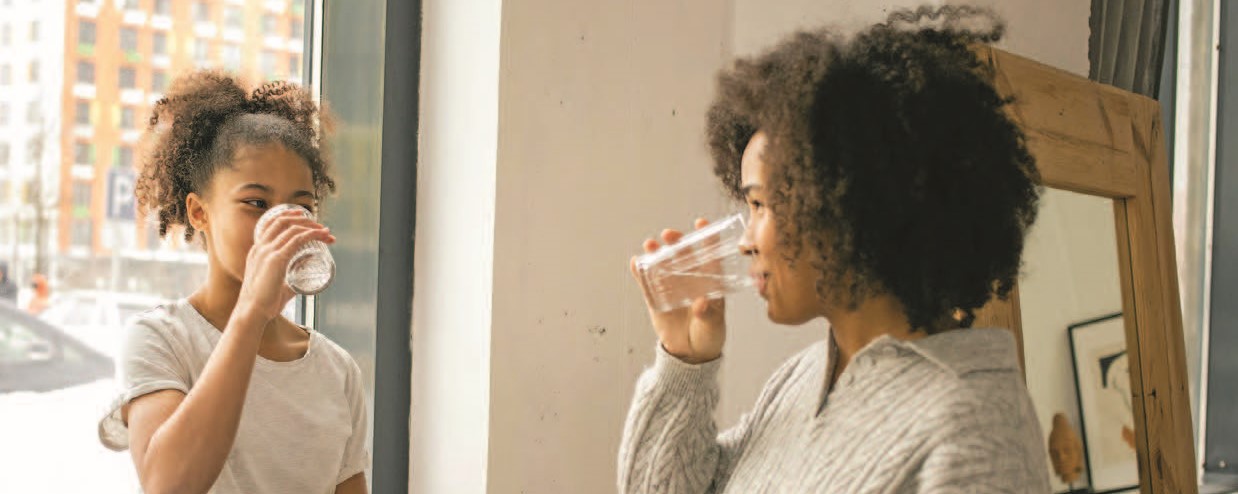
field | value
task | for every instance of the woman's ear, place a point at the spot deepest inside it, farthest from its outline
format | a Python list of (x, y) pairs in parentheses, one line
[(195, 212)]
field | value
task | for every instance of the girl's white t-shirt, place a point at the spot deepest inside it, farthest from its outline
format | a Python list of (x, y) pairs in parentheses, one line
[(304, 424)]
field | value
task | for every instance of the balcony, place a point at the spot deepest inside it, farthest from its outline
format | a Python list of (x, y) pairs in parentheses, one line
[(132, 96), (234, 35), (134, 18), (90, 9), (275, 42), (161, 22), (83, 90), (205, 30), (82, 172)]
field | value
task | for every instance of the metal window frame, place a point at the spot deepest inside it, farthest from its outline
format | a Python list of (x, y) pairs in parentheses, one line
[(397, 201), (1219, 438)]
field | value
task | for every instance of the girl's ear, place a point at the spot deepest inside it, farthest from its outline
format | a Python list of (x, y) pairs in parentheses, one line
[(195, 212)]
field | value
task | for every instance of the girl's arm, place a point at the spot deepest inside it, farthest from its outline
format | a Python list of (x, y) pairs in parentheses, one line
[(180, 441), (354, 485)]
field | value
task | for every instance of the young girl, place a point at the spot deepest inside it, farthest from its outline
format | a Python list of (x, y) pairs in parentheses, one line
[(220, 393), (889, 194)]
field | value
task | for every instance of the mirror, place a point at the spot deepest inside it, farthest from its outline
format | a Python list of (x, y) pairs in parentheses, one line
[(1097, 312), (1074, 343)]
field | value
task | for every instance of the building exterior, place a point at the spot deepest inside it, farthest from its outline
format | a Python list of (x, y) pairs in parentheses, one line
[(30, 112), (94, 70)]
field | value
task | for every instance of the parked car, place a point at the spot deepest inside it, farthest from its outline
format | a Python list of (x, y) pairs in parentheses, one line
[(38, 356), (53, 391)]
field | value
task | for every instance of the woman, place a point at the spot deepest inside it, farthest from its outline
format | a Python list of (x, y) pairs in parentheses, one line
[(221, 393), (889, 194)]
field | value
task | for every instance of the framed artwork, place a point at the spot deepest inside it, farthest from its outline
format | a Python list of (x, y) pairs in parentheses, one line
[(1103, 383)]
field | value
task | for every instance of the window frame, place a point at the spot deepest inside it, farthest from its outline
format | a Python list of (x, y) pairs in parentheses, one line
[(386, 114)]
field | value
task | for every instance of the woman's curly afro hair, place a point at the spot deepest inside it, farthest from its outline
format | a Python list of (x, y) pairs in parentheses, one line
[(195, 129), (891, 158)]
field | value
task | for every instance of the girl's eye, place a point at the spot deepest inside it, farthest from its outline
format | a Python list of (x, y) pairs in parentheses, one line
[(755, 204), (258, 203)]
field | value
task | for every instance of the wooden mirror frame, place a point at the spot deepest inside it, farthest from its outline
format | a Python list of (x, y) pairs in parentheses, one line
[(1098, 140)]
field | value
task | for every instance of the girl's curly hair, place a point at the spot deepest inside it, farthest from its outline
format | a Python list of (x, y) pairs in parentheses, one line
[(195, 129), (891, 156)]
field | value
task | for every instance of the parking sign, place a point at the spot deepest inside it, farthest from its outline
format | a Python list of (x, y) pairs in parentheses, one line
[(121, 201)]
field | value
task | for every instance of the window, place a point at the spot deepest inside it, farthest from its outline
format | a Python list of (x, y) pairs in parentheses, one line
[(296, 28), (128, 39), (159, 44), (82, 153), (81, 113), (34, 150), (128, 78), (83, 232), (118, 57), (201, 12), (124, 157), (268, 24), (294, 67), (201, 50), (234, 17), (268, 64), (232, 56), (86, 32), (127, 118), (153, 241), (158, 81), (81, 194), (86, 72)]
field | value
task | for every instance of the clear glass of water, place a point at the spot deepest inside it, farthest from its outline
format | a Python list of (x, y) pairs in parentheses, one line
[(312, 268), (706, 263)]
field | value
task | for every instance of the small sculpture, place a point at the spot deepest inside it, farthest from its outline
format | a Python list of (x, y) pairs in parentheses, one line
[(1065, 450)]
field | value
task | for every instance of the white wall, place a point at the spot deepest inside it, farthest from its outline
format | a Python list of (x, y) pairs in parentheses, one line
[(454, 245), (1051, 31), (600, 145), (1070, 276)]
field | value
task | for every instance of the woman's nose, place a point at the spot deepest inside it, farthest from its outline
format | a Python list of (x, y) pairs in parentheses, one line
[(746, 246)]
